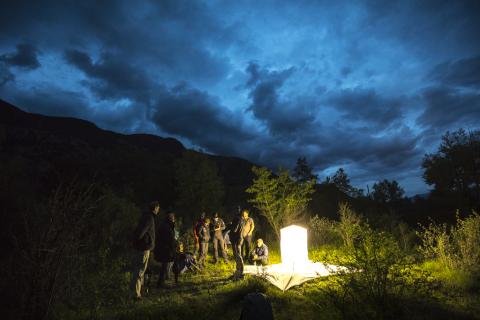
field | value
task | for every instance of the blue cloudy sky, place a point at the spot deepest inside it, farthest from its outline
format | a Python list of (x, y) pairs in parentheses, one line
[(369, 86)]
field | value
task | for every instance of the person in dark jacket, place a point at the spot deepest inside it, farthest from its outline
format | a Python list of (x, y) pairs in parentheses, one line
[(236, 239), (196, 229), (259, 255), (204, 237), (165, 247), (256, 306), (143, 242), (183, 261), (218, 239)]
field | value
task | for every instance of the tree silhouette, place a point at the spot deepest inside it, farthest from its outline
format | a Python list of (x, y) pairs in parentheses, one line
[(341, 180), (387, 191), (302, 171), (455, 167)]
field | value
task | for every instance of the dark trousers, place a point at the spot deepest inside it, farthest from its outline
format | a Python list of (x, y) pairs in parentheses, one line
[(203, 253), (247, 246), (237, 253), (165, 268), (219, 244)]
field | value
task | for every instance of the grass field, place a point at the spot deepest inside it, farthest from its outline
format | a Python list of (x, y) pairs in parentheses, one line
[(211, 294)]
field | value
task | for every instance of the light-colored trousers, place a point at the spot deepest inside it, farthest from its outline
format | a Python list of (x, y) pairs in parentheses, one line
[(139, 266)]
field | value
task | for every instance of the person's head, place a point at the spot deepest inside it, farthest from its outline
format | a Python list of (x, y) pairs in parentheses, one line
[(259, 242), (206, 221), (171, 216), (202, 215), (154, 207), (245, 214), (216, 216), (180, 247)]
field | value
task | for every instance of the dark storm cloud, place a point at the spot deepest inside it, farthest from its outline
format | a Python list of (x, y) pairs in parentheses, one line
[(52, 102), (121, 64), (24, 57), (112, 77), (5, 75), (464, 72), (368, 106), (280, 115), (57, 102), (447, 108), (453, 100), (198, 117), (177, 38)]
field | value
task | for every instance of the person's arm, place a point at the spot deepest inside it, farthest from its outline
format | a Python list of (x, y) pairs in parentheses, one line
[(222, 225), (265, 254), (195, 231), (253, 254), (253, 227)]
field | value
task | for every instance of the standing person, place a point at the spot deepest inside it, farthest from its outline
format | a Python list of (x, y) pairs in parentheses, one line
[(247, 229), (143, 242), (218, 240), (196, 229), (165, 247), (236, 239), (204, 237)]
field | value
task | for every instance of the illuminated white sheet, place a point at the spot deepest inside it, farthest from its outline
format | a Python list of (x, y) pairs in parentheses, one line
[(284, 278), (295, 268)]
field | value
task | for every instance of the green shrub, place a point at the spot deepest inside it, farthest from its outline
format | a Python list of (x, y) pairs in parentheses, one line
[(457, 247), (323, 231), (466, 239), (349, 226), (378, 277), (436, 243)]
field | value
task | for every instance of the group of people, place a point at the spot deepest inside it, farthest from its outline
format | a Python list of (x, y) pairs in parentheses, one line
[(161, 238)]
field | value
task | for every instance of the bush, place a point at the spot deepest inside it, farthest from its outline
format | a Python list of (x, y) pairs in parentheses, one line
[(457, 247), (323, 231), (466, 239), (436, 243), (349, 226), (378, 277)]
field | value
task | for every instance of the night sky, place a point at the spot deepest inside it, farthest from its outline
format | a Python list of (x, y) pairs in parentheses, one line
[(369, 86)]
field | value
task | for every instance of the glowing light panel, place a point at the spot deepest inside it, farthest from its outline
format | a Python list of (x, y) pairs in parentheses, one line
[(293, 247)]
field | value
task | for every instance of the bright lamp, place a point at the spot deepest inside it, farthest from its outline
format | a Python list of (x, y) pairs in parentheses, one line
[(293, 246)]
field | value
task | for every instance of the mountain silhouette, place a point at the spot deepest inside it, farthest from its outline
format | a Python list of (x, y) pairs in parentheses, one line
[(52, 148)]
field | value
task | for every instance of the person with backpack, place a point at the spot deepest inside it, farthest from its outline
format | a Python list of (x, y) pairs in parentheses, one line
[(143, 243), (218, 238), (165, 247), (183, 261)]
